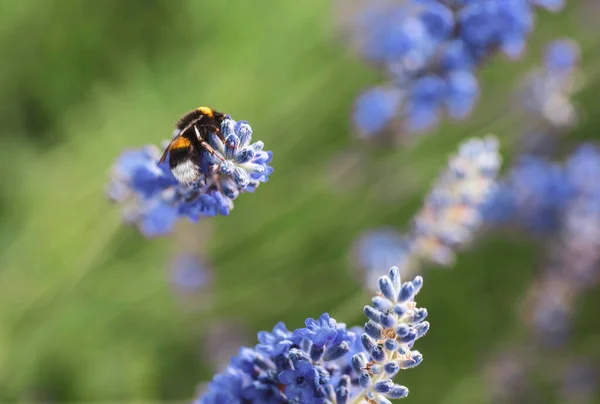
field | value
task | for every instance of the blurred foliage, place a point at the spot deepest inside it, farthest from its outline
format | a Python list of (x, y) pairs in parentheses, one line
[(86, 308)]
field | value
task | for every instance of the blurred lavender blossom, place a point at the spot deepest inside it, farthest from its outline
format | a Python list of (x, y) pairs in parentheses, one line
[(449, 219), (560, 202), (189, 274), (431, 50), (375, 249), (579, 382), (505, 374), (545, 96), (451, 215), (574, 259), (537, 193)]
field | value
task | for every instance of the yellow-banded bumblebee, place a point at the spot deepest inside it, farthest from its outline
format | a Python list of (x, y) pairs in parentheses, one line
[(185, 150)]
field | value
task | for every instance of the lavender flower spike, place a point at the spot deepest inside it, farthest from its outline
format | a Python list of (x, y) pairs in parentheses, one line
[(395, 323), (432, 51), (325, 363), (154, 201), (452, 211)]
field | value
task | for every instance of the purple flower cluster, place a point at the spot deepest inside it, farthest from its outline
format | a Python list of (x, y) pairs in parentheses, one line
[(152, 198), (579, 382), (324, 362), (376, 249), (574, 258), (545, 96), (395, 323), (547, 91), (563, 202), (448, 220), (189, 273), (451, 214), (431, 50), (505, 373), (537, 192), (303, 366)]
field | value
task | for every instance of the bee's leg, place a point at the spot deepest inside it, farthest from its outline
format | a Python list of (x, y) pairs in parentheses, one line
[(219, 134), (209, 149), (217, 183), (205, 144), (216, 130)]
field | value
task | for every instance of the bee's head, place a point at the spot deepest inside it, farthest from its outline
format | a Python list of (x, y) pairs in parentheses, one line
[(219, 116)]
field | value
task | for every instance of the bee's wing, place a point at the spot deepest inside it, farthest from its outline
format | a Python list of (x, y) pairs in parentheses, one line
[(181, 132), (168, 148), (192, 123)]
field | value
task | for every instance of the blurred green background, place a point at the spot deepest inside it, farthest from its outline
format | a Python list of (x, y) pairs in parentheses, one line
[(86, 308)]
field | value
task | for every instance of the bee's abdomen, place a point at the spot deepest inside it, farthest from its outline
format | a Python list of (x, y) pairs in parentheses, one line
[(184, 165)]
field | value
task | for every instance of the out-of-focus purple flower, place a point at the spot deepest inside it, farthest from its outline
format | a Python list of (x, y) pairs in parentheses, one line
[(548, 310), (452, 211), (545, 93), (394, 34), (376, 249), (424, 100), (551, 5), (506, 375), (565, 200), (375, 108), (541, 195), (579, 382), (533, 195), (431, 50), (463, 93), (562, 55), (448, 220), (189, 273)]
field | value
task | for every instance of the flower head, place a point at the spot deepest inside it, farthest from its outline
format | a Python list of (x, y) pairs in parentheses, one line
[(452, 211), (545, 93), (542, 196), (376, 249), (326, 363), (275, 343), (431, 51), (319, 332), (573, 265), (154, 200), (579, 381), (375, 108), (395, 323), (189, 273), (300, 382)]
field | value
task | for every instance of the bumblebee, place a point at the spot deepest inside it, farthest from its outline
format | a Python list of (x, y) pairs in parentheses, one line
[(186, 149)]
